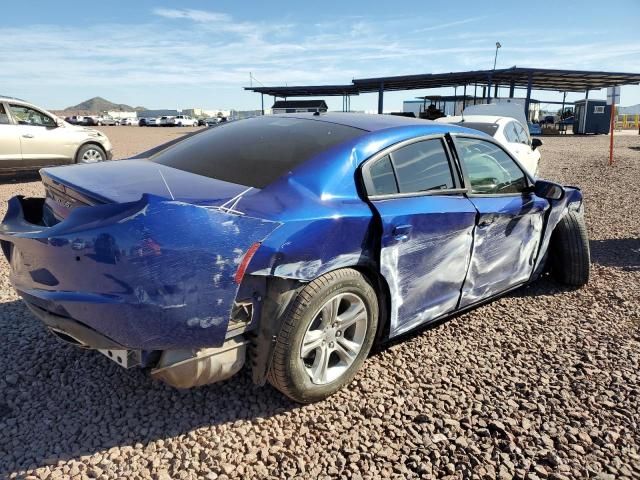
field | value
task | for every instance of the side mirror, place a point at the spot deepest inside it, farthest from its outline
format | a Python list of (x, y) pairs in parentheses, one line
[(548, 190), (535, 143)]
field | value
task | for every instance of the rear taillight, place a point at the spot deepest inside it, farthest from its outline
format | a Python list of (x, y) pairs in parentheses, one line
[(248, 255)]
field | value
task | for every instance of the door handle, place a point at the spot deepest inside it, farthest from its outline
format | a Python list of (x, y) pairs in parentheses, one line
[(27, 135), (401, 232)]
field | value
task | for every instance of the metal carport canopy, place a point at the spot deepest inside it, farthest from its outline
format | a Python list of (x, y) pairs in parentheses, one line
[(534, 78), (306, 91)]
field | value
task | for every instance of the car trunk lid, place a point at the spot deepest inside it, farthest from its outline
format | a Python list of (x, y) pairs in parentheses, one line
[(68, 188)]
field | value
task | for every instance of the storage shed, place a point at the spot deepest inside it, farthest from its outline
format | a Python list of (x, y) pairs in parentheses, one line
[(592, 116)]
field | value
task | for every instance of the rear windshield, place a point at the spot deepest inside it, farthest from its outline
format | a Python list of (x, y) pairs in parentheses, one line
[(489, 128), (256, 151)]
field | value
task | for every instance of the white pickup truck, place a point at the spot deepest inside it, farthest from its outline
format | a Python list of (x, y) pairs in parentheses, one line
[(182, 121)]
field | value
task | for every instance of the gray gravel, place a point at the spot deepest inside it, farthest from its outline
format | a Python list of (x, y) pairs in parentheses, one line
[(544, 383)]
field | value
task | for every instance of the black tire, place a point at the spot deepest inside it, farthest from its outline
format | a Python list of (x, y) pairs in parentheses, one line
[(287, 372), (570, 256), (90, 147)]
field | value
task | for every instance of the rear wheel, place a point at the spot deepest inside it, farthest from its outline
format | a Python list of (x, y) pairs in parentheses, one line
[(326, 336), (90, 154), (570, 255)]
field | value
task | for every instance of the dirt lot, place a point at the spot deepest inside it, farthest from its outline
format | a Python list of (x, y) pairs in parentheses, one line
[(544, 383)]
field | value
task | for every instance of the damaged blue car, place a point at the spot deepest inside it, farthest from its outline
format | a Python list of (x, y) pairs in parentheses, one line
[(286, 243)]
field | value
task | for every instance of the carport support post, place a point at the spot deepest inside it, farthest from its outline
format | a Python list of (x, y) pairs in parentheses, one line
[(464, 97), (512, 88), (528, 99), (455, 100), (380, 97), (489, 90), (262, 102)]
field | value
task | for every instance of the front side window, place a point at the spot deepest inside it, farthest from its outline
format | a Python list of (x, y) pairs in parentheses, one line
[(4, 118), (521, 134), (489, 168), (422, 166), (29, 116), (510, 132)]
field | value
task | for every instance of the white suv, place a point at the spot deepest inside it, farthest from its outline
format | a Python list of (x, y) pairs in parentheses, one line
[(31, 138), (182, 121)]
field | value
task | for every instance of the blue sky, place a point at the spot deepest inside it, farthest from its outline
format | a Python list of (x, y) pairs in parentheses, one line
[(199, 53)]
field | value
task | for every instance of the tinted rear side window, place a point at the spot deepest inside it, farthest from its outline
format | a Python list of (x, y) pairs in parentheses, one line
[(257, 151), (382, 177), (422, 166)]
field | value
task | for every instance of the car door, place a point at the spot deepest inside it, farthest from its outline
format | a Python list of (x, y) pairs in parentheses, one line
[(427, 225), (509, 223), (10, 153), (42, 141)]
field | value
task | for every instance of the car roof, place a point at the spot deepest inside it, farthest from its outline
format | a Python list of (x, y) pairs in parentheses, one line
[(4, 98), (364, 121), (475, 119)]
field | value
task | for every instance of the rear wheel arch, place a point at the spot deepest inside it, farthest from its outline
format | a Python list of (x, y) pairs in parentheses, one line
[(279, 296), (287, 371), (381, 287)]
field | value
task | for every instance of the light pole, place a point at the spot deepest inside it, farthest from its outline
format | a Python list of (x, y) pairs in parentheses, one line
[(496, 57)]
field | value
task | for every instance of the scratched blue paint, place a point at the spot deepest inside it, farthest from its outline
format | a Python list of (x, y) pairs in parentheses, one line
[(137, 272), (157, 259)]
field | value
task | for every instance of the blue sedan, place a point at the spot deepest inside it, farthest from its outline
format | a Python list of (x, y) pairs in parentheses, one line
[(290, 243)]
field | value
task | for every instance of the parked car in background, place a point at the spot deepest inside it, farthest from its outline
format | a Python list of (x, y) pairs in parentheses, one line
[(534, 129), (548, 120), (182, 121), (75, 120), (504, 125), (142, 122), (567, 121), (340, 230), (128, 121), (152, 122), (90, 120), (107, 120), (214, 121), (165, 121), (32, 138)]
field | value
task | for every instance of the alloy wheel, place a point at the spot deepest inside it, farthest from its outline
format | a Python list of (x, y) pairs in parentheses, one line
[(334, 338), (92, 156)]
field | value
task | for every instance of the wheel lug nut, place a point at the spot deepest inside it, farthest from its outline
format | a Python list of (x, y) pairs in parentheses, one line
[(338, 333)]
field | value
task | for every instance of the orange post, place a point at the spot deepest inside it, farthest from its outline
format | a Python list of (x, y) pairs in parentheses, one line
[(611, 127)]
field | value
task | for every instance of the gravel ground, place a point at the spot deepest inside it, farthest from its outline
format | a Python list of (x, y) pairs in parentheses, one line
[(544, 383)]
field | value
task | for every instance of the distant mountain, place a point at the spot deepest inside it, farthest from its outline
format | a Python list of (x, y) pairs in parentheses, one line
[(99, 104), (631, 110)]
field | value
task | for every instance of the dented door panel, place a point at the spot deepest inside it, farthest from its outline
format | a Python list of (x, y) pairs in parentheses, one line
[(506, 244), (155, 281), (425, 251)]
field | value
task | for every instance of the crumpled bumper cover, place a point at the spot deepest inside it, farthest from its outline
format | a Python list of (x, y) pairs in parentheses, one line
[(153, 274)]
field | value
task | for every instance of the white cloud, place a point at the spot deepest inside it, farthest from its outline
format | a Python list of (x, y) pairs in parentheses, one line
[(200, 16)]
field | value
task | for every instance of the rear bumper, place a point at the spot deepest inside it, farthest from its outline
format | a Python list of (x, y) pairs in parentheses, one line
[(137, 274), (72, 331)]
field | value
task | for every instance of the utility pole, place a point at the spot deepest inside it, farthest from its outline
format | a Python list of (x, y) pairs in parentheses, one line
[(495, 59)]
